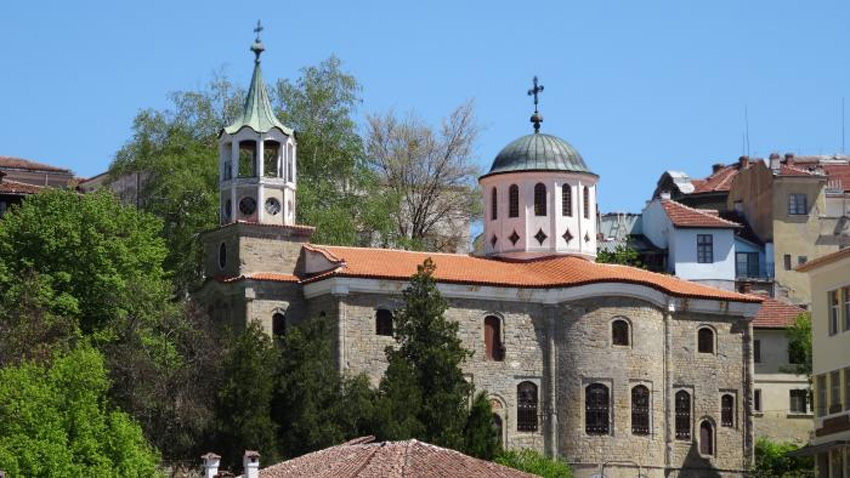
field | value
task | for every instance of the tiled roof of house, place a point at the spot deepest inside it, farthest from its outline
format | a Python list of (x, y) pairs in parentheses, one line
[(549, 272), (263, 276), (823, 260), (839, 175), (684, 216), (8, 186), (775, 314), (7, 162), (718, 181), (793, 171), (401, 459)]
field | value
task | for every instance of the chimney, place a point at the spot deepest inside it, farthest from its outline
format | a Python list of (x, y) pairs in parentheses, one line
[(774, 162), (665, 195), (211, 464), (746, 288), (251, 464), (743, 162), (717, 167), (789, 159)]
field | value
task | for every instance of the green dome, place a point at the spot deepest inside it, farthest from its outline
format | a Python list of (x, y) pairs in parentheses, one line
[(538, 152)]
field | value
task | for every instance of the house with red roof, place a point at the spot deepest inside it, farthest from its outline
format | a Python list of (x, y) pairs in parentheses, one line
[(21, 177), (600, 365)]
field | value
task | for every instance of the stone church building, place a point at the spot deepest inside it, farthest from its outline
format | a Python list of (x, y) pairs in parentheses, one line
[(619, 371)]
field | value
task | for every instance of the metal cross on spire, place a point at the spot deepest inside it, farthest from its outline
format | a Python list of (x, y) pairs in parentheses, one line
[(258, 47), (536, 118)]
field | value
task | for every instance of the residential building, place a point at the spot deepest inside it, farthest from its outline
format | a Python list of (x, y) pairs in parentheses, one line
[(21, 177), (830, 286), (590, 363)]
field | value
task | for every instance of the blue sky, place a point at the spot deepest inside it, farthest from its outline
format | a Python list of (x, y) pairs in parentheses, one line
[(636, 87)]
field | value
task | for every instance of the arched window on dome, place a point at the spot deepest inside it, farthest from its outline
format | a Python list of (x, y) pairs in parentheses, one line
[(566, 200), (586, 199), (539, 199), (494, 205), (271, 159), (513, 201), (247, 159)]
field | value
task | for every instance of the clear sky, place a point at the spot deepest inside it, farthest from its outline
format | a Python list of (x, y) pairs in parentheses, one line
[(636, 87)]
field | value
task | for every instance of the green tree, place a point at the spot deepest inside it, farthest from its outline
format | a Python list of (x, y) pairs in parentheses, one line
[(482, 439), (55, 421), (533, 462), (772, 461), (314, 406), (624, 254), (424, 393), (800, 345), (243, 403)]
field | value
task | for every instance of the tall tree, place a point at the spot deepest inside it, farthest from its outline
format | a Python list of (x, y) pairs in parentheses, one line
[(800, 345), (337, 191), (424, 369), (432, 173), (55, 421)]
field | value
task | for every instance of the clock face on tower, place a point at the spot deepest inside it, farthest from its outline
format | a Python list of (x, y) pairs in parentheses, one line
[(272, 206), (247, 206)]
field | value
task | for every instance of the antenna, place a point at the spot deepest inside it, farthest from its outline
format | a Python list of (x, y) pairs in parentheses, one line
[(842, 125), (747, 129)]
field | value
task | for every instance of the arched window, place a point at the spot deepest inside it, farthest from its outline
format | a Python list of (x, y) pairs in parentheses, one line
[(247, 159), (683, 415), (278, 324), (727, 410), (706, 438), (566, 200), (705, 340), (513, 201), (290, 160), (493, 348), (494, 205), (586, 193), (640, 410), (271, 159), (597, 408), (620, 332), (539, 199), (526, 407), (383, 322)]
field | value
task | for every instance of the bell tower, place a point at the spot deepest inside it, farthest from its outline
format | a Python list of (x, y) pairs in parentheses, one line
[(257, 166)]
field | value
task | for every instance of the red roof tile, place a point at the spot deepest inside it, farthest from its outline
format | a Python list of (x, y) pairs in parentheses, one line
[(8, 186), (402, 459), (775, 314), (7, 162), (550, 272), (719, 181), (684, 216), (824, 260), (839, 175), (792, 171)]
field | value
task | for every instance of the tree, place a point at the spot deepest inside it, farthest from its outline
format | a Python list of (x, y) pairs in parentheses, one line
[(800, 345), (337, 191), (424, 393), (482, 438), (533, 462), (243, 403), (55, 421), (314, 406), (772, 460), (624, 254), (433, 174)]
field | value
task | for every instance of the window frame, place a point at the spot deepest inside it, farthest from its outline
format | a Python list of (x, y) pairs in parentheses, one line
[(798, 204), (835, 404), (586, 198), (821, 395), (494, 204), (641, 413), (540, 193), (381, 327), (786, 261), (566, 200), (727, 410), (513, 201), (278, 324), (757, 405), (597, 414), (845, 293), (705, 248), (615, 337), (751, 268), (707, 449), (834, 304), (527, 404), (796, 397), (682, 415), (701, 341), (756, 351), (494, 351)]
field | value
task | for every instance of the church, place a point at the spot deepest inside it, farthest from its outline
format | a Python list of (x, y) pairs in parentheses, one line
[(616, 370)]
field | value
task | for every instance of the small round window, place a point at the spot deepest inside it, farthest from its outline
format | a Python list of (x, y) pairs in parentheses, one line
[(247, 206), (222, 255), (272, 206)]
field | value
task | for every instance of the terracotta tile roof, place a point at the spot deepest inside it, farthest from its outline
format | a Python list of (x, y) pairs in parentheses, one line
[(775, 314), (8, 186), (7, 162), (264, 276), (823, 260), (839, 175), (719, 181), (793, 171), (401, 459), (550, 272), (684, 216)]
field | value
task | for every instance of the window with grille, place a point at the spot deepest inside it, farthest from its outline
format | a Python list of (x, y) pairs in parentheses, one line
[(620, 332), (786, 259), (833, 312), (278, 325), (493, 348), (821, 396), (586, 198), (706, 438), (845, 292), (705, 248), (797, 204), (683, 415), (513, 201), (526, 413), (494, 205), (383, 322), (597, 409), (727, 410), (539, 199), (798, 401), (705, 340), (746, 264), (566, 200), (640, 410)]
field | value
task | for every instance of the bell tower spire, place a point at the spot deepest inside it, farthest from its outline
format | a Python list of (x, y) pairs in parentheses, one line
[(257, 158)]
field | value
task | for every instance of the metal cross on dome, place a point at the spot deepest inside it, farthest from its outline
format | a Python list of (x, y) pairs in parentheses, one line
[(258, 30), (535, 91)]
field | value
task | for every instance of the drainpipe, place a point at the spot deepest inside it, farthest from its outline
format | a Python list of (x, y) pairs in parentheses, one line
[(668, 384), (552, 313)]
